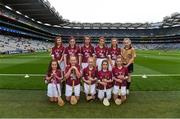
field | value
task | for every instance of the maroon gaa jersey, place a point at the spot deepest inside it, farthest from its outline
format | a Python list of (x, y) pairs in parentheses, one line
[(104, 75), (69, 51), (86, 52), (118, 72), (69, 81), (90, 73), (55, 79), (101, 52), (114, 52), (58, 52)]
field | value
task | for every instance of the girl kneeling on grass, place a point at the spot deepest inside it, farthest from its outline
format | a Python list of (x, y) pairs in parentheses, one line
[(89, 78), (53, 78), (105, 81), (120, 76), (72, 76)]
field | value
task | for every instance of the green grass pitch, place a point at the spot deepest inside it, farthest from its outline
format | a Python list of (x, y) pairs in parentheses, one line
[(154, 96)]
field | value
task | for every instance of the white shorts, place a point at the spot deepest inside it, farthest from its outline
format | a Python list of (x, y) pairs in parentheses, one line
[(52, 90), (101, 94), (69, 90), (122, 91), (87, 88), (99, 63), (110, 66), (84, 65), (62, 66)]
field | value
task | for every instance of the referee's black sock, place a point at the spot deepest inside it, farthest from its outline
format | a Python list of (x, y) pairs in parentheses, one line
[(128, 85)]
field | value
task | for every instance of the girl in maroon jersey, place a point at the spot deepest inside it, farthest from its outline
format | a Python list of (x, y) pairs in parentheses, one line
[(57, 52), (87, 50), (53, 79), (120, 76), (72, 76), (105, 81), (71, 50), (89, 78), (100, 52), (113, 52)]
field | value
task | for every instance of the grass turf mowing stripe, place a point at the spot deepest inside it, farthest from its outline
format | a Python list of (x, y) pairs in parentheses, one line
[(159, 65), (35, 66), (34, 103), (138, 70)]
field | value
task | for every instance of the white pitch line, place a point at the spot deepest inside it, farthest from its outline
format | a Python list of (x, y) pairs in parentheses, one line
[(135, 75)]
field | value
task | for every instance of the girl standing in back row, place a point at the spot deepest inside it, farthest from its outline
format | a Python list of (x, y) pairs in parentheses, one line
[(113, 52), (101, 52), (72, 50), (128, 57), (57, 52), (87, 50)]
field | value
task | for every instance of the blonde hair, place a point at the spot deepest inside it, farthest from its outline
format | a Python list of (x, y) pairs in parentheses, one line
[(94, 63), (127, 39)]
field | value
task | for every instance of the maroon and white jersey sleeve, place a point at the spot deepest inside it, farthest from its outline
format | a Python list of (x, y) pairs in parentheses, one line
[(89, 73), (104, 75), (72, 52), (113, 53), (101, 52), (86, 52), (120, 72), (56, 78), (58, 52)]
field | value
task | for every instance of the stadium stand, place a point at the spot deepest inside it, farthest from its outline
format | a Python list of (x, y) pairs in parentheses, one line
[(36, 22), (12, 45)]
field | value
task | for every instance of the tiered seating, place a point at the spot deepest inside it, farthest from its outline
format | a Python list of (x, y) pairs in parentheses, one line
[(10, 43)]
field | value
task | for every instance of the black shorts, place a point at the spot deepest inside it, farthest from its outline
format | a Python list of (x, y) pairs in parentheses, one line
[(131, 68)]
